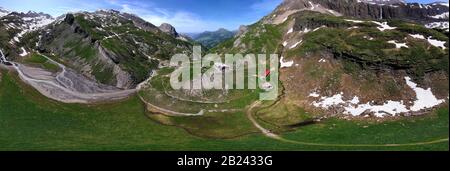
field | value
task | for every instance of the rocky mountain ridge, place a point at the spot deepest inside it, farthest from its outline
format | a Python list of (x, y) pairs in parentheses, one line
[(3, 12), (109, 46), (421, 13)]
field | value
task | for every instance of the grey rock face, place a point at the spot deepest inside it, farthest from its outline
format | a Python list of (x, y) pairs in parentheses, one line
[(210, 39), (373, 9), (384, 2), (242, 30), (169, 29)]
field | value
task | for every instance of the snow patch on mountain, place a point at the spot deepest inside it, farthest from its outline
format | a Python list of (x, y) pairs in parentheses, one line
[(436, 43), (383, 26), (425, 99), (441, 16), (398, 45), (417, 36), (31, 21), (24, 52), (433, 42), (285, 64), (354, 21), (440, 25)]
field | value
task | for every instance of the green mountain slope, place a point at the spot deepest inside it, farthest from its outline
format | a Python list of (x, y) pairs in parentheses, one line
[(114, 48)]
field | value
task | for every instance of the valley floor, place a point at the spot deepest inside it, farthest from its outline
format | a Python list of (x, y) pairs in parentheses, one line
[(30, 121)]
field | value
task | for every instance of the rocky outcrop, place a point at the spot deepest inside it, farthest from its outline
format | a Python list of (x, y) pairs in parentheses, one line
[(31, 14), (169, 29), (242, 30)]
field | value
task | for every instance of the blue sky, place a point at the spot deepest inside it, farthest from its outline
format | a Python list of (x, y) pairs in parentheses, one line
[(186, 15)]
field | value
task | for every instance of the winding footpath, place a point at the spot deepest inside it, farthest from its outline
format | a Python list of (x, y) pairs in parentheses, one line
[(169, 112)]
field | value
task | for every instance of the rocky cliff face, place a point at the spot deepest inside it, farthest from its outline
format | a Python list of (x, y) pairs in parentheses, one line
[(383, 2), (370, 9), (169, 29)]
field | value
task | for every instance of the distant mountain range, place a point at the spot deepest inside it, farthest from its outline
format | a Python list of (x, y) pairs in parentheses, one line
[(3, 12), (113, 48), (210, 39)]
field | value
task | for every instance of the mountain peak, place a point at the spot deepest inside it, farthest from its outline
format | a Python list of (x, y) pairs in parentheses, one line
[(366, 9), (169, 29), (222, 29)]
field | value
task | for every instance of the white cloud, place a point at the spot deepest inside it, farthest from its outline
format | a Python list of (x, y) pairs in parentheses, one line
[(183, 21)]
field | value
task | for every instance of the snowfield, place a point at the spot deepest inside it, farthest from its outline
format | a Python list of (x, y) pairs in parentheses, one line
[(398, 45), (417, 36), (24, 52), (441, 16), (285, 64), (314, 94), (31, 24), (424, 100), (383, 26), (434, 42), (440, 25), (355, 21), (437, 43)]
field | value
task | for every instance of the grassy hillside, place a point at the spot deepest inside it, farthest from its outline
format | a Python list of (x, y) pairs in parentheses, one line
[(29, 121)]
